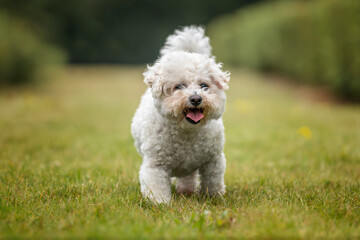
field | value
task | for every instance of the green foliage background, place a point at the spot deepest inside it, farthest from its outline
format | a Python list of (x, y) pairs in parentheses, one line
[(112, 31), (316, 42), (24, 57), (96, 31)]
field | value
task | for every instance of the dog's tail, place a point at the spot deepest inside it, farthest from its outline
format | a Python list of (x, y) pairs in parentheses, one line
[(188, 39)]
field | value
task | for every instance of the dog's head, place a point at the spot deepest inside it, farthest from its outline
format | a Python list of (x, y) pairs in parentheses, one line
[(188, 88)]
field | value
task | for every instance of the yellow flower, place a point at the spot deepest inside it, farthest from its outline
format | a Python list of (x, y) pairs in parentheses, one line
[(305, 132)]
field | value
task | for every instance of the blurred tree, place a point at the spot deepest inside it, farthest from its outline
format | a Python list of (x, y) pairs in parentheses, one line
[(114, 31), (316, 42), (24, 58)]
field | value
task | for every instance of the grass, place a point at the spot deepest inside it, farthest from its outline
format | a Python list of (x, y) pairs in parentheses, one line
[(68, 167)]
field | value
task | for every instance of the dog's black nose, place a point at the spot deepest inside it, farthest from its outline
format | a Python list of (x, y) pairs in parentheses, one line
[(195, 100)]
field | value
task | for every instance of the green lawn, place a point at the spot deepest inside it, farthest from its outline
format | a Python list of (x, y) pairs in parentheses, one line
[(68, 167)]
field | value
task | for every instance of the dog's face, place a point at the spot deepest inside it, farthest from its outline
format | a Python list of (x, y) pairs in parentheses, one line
[(188, 88)]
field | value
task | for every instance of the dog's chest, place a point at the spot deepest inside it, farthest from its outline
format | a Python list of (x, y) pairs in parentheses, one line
[(188, 153)]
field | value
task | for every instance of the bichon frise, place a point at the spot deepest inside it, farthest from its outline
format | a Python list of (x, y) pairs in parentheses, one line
[(178, 129)]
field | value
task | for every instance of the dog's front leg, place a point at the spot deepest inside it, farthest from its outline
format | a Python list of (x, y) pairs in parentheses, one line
[(155, 184), (212, 176)]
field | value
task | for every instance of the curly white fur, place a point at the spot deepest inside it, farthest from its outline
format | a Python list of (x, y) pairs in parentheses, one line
[(172, 143), (189, 39)]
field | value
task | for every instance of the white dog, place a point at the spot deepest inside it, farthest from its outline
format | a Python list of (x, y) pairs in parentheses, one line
[(178, 129)]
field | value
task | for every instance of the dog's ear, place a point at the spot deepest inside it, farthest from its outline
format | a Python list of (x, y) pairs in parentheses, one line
[(153, 78), (219, 77)]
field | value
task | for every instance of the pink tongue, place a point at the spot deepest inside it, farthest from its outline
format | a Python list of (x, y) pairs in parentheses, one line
[(195, 115)]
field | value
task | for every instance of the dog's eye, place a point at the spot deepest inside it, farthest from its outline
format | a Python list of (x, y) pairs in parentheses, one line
[(179, 86), (204, 86)]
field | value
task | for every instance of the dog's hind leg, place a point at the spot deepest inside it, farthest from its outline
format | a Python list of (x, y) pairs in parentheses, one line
[(188, 184)]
